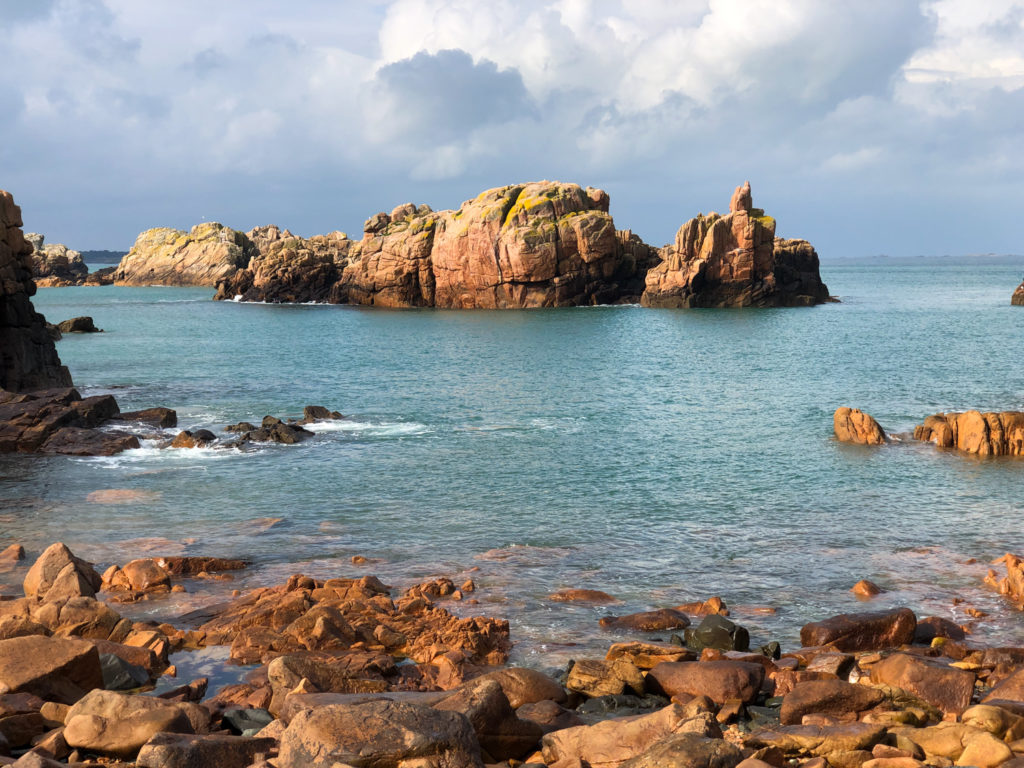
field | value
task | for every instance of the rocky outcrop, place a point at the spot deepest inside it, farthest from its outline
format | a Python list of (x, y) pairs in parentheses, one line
[(735, 261), (1017, 299), (288, 269), (982, 434), (543, 244), (55, 264), (60, 421), (854, 426), (202, 256), (28, 358)]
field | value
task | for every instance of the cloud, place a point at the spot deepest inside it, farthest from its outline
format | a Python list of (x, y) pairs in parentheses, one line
[(122, 115), (434, 99)]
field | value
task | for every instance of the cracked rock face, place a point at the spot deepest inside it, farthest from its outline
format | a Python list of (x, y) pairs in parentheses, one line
[(28, 357), (202, 256), (735, 261)]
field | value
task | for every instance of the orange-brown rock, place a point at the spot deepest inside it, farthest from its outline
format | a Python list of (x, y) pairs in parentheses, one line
[(945, 687), (1011, 585), (827, 697), (713, 605), (610, 743), (854, 426), (526, 686), (525, 245), (378, 733), (58, 670), (647, 621), (862, 631), (28, 357), (865, 589), (649, 655), (209, 252), (720, 681), (59, 572), (1017, 299), (981, 434), (311, 615), (818, 740), (734, 261)]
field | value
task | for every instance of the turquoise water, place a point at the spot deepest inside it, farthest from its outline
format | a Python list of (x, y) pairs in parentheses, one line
[(660, 455)]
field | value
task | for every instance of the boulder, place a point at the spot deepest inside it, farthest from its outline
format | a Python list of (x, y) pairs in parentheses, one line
[(716, 631), (161, 418), (1017, 299), (959, 742), (58, 570), (549, 715), (593, 677), (28, 357), (854, 426), (118, 724), (688, 750), (60, 421), (734, 261), (58, 670), (648, 655), (862, 631), (720, 681), (948, 688), (818, 740), (378, 734), (609, 743), (581, 596), (827, 697), (173, 750), (501, 734), (526, 686), (202, 256), (78, 325), (649, 621), (973, 432), (1010, 688), (999, 722)]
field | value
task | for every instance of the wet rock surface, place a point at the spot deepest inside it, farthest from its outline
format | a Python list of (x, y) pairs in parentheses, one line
[(973, 432)]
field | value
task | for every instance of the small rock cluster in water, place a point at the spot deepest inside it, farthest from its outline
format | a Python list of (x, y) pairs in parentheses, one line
[(350, 675)]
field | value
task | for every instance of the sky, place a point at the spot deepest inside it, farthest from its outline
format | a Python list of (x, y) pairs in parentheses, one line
[(880, 126)]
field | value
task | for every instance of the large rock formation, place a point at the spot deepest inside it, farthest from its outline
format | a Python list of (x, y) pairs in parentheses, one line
[(544, 244), (735, 261), (55, 264), (852, 425), (28, 357), (163, 256), (983, 434), (1018, 296)]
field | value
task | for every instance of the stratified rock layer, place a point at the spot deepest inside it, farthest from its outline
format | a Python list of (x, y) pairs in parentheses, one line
[(544, 244), (207, 253), (55, 264), (28, 357), (735, 261), (983, 434)]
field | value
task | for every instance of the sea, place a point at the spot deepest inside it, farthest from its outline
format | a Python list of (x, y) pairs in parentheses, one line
[(662, 456)]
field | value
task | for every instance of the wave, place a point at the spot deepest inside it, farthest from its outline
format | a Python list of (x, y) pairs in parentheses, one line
[(369, 429)]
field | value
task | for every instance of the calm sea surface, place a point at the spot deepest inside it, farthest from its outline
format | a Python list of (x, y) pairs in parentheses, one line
[(660, 455)]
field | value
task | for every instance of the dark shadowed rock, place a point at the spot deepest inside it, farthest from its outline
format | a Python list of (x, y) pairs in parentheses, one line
[(162, 418), (862, 631), (501, 734), (78, 325), (28, 357), (717, 632)]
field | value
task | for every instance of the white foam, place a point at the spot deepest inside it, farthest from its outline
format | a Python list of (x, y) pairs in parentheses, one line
[(394, 429)]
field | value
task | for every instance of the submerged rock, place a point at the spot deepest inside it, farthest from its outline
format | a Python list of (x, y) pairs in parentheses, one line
[(735, 261), (854, 426), (202, 256), (982, 434)]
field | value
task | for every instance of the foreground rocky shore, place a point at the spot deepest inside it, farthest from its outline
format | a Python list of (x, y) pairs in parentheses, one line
[(351, 672), (542, 244)]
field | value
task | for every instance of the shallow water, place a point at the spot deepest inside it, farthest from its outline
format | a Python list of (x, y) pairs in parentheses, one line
[(660, 455)]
